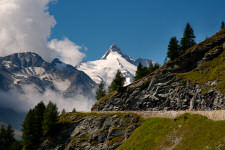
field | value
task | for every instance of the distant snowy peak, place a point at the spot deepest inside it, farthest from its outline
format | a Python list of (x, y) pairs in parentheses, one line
[(105, 69), (114, 48)]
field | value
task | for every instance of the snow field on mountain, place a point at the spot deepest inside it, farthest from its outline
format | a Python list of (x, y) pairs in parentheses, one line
[(105, 69)]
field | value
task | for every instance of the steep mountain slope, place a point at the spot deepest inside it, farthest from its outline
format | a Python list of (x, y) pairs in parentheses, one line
[(195, 80), (92, 131), (21, 69), (105, 69)]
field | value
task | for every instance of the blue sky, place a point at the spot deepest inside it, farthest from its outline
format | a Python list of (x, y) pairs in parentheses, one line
[(141, 28)]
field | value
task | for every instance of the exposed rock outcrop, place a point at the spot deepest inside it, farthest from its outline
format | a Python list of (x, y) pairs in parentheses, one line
[(92, 131), (172, 87)]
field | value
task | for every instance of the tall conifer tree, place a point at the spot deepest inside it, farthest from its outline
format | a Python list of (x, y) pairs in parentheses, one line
[(173, 48), (6, 137), (188, 39), (222, 25), (139, 71), (50, 119), (39, 110), (117, 82), (28, 135), (100, 92)]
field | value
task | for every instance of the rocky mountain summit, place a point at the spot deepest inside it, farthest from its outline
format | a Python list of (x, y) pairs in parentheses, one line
[(105, 69), (21, 69), (193, 81)]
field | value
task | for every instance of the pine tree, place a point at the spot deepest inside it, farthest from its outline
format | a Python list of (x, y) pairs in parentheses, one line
[(144, 71), (222, 25), (50, 119), (152, 68), (28, 135), (6, 137), (10, 135), (117, 82), (74, 110), (138, 73), (141, 72), (38, 120), (100, 92), (2, 137), (32, 126), (188, 39), (173, 48), (63, 111)]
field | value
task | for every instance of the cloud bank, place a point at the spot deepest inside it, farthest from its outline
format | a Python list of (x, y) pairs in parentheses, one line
[(31, 96), (25, 25)]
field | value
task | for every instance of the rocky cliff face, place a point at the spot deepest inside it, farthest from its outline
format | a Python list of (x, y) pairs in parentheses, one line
[(195, 80), (92, 131)]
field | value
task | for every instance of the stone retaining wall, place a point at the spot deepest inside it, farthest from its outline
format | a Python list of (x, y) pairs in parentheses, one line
[(214, 115)]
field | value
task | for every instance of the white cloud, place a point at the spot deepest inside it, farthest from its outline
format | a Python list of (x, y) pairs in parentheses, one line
[(68, 51), (22, 102), (25, 25)]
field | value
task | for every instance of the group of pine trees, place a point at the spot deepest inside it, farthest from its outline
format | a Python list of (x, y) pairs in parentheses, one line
[(143, 70), (7, 140), (175, 49), (116, 84), (41, 121)]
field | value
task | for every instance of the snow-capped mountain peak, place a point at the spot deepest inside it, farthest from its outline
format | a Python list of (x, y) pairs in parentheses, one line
[(114, 48), (105, 69)]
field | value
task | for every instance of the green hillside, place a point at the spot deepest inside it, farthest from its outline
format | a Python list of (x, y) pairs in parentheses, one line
[(186, 132)]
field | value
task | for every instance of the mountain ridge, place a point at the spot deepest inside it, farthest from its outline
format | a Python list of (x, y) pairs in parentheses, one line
[(21, 66)]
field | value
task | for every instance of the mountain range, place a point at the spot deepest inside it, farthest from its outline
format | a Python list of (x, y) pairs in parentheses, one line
[(19, 70)]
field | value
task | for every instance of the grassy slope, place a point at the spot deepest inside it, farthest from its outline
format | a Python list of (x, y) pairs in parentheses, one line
[(213, 70), (187, 132), (103, 99), (73, 117)]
